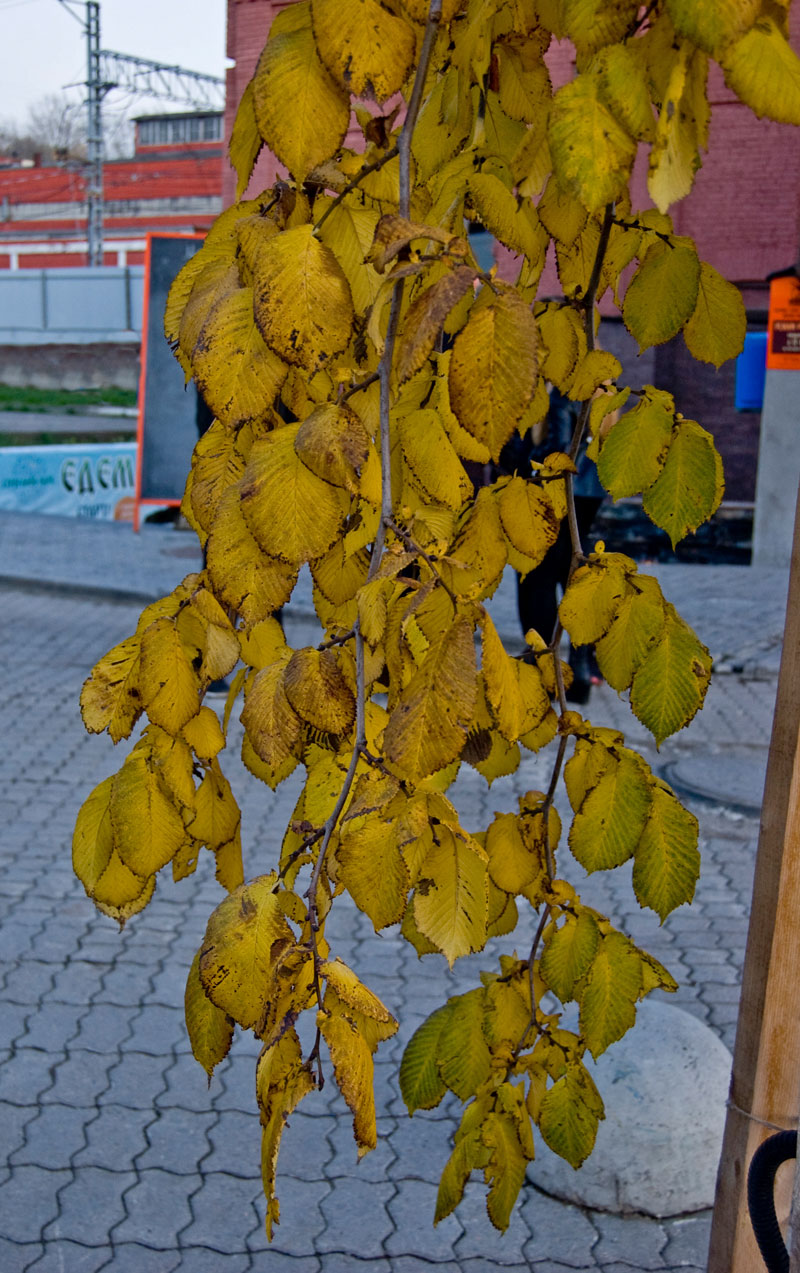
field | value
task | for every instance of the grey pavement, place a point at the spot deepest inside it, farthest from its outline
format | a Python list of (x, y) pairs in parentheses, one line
[(116, 1153)]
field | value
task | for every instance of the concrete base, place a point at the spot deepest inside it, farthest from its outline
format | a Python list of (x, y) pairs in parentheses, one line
[(664, 1085)]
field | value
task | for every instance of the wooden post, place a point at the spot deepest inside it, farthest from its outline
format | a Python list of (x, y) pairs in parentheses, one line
[(765, 1083)]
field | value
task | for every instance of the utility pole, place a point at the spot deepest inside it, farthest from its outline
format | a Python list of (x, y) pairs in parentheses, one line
[(94, 96)]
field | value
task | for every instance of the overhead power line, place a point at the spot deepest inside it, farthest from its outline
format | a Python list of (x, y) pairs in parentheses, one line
[(173, 83)]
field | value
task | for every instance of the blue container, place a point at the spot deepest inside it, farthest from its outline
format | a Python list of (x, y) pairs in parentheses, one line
[(751, 371)]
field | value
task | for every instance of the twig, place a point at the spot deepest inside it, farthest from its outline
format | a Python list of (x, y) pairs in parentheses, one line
[(362, 384), (415, 101), (337, 640), (352, 185), (414, 547)]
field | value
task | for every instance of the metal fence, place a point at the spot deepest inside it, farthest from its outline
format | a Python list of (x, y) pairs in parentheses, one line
[(71, 305)]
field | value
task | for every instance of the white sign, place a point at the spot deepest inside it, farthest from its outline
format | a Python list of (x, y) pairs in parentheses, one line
[(82, 480)]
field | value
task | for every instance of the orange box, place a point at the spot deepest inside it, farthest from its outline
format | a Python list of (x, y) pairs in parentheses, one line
[(783, 343)]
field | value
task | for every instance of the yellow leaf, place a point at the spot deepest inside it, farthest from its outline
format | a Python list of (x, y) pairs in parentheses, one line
[(368, 51), (122, 913), (333, 443), (272, 774), (204, 734), (302, 300), (217, 815), (450, 900), (564, 343), (432, 459), (609, 824), (425, 317), (505, 1171), (515, 224), (173, 763), (237, 374), (624, 89), (243, 576), (671, 683), (712, 24), (524, 84), (592, 153), (210, 1030), (373, 871), (502, 681), (348, 231), (217, 464), (238, 950), (354, 993), (282, 1080), (478, 554), (591, 24), (594, 370), (674, 157), (94, 858), (528, 519), (689, 487), (245, 141), (563, 216), (147, 828), (428, 726), (662, 294), (110, 698), (353, 1070), (567, 1120), (170, 688), (291, 513), (274, 728), (493, 370), (637, 625), (592, 598), (635, 448), (716, 330), (666, 864), (608, 1002), (219, 278), (302, 113), (512, 865), (318, 692), (764, 71)]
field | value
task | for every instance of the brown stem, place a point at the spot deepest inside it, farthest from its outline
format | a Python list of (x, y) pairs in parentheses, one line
[(414, 547), (352, 185), (414, 103), (362, 384)]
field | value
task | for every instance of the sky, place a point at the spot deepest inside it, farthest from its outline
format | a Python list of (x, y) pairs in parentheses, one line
[(43, 47)]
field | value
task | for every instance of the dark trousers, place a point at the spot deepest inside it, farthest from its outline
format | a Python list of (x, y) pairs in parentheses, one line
[(536, 593)]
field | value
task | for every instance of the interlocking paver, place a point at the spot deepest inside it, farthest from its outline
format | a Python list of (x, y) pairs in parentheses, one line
[(222, 1211), (115, 1135), (90, 1205), (16, 1257), (69, 1257), (54, 1136), (29, 1201), (157, 1209), (155, 1110), (13, 1119), (177, 1140)]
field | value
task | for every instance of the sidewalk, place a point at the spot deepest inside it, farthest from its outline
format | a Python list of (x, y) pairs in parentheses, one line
[(89, 420), (115, 1155)]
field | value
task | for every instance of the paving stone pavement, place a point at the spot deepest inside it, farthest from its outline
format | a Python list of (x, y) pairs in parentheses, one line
[(116, 1155)]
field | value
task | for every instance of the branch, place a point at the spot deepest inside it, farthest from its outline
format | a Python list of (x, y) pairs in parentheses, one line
[(362, 384), (414, 547), (415, 101), (352, 185)]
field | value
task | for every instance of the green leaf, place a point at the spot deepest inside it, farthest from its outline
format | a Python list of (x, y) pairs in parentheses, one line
[(671, 683), (610, 821), (567, 1119), (465, 1061), (592, 153), (634, 450), (666, 864), (421, 1083), (568, 952), (637, 625), (623, 88), (689, 487), (764, 71), (613, 985), (469, 1152), (662, 294), (716, 330)]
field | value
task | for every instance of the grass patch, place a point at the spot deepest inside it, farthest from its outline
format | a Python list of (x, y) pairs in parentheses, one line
[(66, 401)]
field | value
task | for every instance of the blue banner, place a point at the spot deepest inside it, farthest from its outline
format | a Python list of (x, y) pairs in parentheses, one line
[(84, 480)]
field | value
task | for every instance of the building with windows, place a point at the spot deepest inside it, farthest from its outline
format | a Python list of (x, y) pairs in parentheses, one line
[(172, 183)]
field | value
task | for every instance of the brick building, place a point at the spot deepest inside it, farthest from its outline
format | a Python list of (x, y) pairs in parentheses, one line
[(172, 183)]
